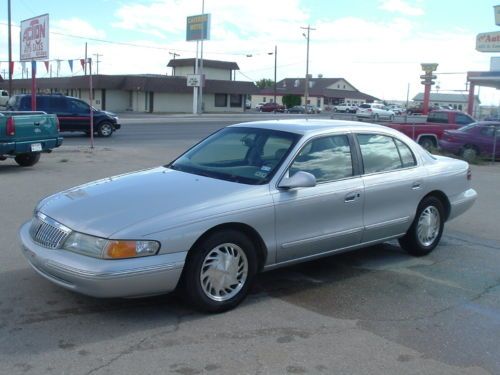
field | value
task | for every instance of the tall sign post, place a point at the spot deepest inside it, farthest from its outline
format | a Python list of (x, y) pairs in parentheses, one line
[(427, 80), (34, 41), (197, 29)]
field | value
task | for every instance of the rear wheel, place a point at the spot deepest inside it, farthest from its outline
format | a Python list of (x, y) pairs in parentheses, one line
[(105, 129), (219, 271), (27, 159), (427, 228), (427, 143), (469, 153)]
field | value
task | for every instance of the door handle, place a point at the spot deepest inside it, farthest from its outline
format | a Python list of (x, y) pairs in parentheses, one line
[(416, 185), (351, 197), (36, 123)]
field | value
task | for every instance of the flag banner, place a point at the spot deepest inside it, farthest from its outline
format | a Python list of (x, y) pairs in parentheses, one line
[(82, 61), (11, 67), (46, 65), (70, 62), (33, 67)]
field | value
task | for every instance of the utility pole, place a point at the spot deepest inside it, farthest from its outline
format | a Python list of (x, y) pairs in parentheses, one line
[(10, 47), (173, 55), (306, 92), (97, 61), (275, 63), (58, 67)]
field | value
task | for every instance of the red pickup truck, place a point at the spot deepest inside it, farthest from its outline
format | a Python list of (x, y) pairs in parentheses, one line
[(428, 133)]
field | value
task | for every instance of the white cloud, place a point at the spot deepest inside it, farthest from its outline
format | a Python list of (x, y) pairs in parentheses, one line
[(401, 6)]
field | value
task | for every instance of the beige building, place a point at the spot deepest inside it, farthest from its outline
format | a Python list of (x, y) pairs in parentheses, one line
[(323, 92), (152, 93), (452, 101)]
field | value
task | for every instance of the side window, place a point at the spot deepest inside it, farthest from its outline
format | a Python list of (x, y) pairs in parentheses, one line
[(58, 104), (487, 131), (407, 157), (438, 117), (379, 153), (76, 106), (463, 119), (42, 103), (327, 158)]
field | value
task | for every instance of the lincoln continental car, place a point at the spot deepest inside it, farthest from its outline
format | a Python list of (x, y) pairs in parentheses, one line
[(249, 198)]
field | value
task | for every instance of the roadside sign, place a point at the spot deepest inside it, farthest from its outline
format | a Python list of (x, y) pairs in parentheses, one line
[(488, 42), (429, 67), (194, 80), (198, 27), (496, 8), (34, 38)]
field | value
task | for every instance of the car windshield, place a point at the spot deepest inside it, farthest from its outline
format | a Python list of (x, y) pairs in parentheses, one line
[(468, 128), (244, 155)]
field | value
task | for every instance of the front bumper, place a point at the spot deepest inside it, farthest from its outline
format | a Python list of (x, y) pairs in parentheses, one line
[(103, 277)]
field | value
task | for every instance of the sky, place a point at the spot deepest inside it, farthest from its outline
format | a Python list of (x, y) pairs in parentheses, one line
[(376, 45)]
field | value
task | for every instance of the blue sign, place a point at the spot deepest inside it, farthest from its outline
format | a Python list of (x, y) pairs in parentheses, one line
[(198, 27)]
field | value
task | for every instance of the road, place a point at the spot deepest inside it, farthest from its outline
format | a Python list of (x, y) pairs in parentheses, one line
[(373, 311)]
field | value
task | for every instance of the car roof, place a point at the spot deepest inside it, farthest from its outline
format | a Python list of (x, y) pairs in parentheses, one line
[(314, 126)]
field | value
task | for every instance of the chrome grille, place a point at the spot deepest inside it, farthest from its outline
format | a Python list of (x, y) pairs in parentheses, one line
[(48, 232)]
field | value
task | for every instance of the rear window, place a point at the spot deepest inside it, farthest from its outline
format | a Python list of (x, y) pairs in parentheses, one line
[(365, 106), (438, 117)]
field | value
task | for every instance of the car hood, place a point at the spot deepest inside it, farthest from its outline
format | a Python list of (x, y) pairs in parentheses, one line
[(152, 200)]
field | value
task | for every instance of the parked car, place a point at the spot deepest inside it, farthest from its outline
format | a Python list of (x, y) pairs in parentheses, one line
[(344, 107), (251, 197), (428, 133), (258, 106), (272, 107), (398, 110), (25, 135), (296, 109), (4, 98), (73, 113), (474, 140), (374, 112), (313, 109)]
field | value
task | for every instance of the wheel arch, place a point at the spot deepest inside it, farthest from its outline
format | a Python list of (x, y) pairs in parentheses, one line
[(444, 200), (246, 229), (428, 135)]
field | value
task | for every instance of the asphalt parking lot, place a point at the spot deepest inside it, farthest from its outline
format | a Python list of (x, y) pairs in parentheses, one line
[(373, 311)]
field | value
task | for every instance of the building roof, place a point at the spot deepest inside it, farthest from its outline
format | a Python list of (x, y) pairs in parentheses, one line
[(317, 87), (444, 97), (216, 64), (154, 83)]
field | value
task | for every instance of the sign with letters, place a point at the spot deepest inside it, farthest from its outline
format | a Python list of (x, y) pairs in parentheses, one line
[(198, 27), (34, 38)]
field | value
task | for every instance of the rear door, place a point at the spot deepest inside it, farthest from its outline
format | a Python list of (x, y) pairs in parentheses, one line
[(393, 185), (74, 114)]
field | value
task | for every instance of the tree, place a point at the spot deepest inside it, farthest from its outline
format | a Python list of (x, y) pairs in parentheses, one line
[(291, 100), (264, 83)]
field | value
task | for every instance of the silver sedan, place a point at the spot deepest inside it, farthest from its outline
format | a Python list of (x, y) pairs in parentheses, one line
[(251, 197)]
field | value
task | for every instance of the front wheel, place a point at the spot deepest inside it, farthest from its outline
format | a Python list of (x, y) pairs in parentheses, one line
[(105, 129), (27, 159), (427, 228), (219, 271), (427, 143)]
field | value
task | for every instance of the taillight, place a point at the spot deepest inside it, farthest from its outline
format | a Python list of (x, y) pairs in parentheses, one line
[(10, 126), (57, 124), (369, 110), (469, 174)]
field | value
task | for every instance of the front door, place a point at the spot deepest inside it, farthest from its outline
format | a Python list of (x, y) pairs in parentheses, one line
[(328, 216)]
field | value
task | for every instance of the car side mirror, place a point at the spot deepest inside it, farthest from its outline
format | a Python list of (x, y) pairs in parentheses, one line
[(298, 180)]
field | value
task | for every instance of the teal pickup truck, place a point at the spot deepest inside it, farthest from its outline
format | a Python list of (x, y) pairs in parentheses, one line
[(25, 135)]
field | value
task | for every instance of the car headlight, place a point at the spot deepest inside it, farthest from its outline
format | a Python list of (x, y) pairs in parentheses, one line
[(109, 249)]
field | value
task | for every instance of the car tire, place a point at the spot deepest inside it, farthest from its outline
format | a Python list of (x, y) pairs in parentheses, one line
[(427, 228), (391, 118), (28, 159), (105, 129), (469, 153), (427, 143), (375, 117), (334, 109), (219, 271)]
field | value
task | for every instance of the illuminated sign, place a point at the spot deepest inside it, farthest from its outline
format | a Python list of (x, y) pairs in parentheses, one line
[(35, 38), (198, 27)]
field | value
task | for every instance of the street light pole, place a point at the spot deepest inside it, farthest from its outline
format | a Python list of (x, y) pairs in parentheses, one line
[(275, 64), (306, 91), (10, 46)]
